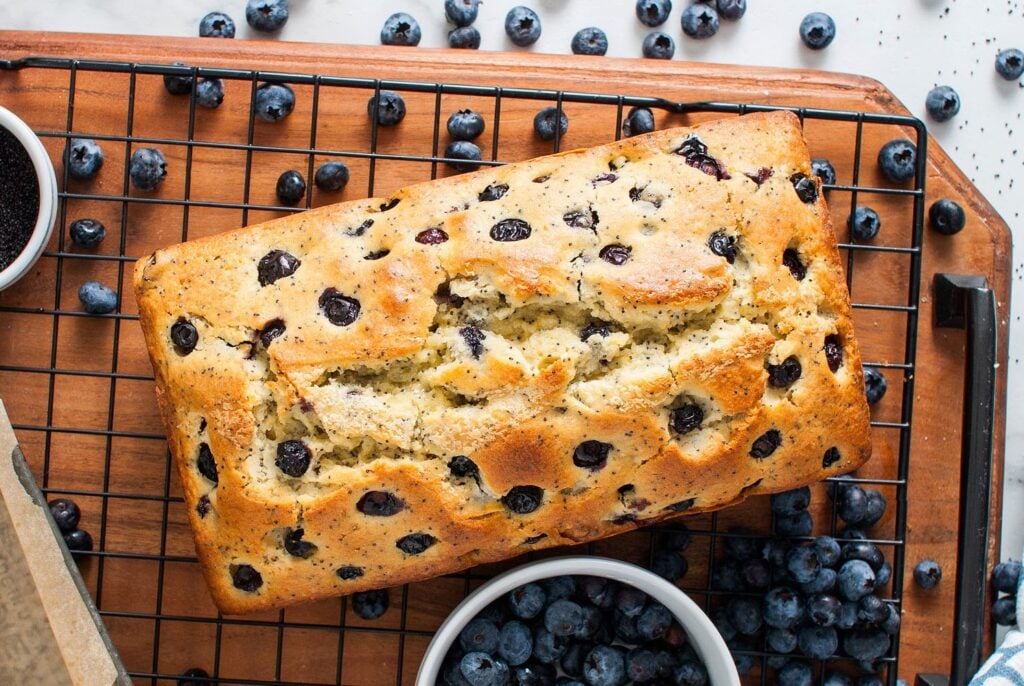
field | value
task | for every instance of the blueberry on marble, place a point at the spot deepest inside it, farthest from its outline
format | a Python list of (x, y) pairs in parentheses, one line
[(463, 156), (817, 30), (461, 12), (942, 103), (1010, 63), (293, 458), (388, 108), (295, 546), (590, 41), (544, 123), (246, 578), (291, 187), (658, 45), (331, 176), (1005, 575), (340, 310), (65, 513), (380, 504), (210, 93), (97, 298), (653, 12), (864, 224), (276, 264), (874, 385), (370, 604), (946, 217), (266, 15), (522, 26), (274, 101), (147, 169), (414, 544), (87, 232), (217, 25), (401, 29), (732, 9), (700, 21), (84, 158), (927, 574), (464, 38), (898, 160)]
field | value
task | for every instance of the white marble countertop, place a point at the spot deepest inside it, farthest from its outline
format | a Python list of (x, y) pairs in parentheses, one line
[(909, 45)]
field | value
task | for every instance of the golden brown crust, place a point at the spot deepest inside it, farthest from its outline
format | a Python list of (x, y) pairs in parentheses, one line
[(472, 346)]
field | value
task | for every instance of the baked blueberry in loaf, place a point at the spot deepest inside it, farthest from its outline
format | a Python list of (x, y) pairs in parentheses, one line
[(539, 354)]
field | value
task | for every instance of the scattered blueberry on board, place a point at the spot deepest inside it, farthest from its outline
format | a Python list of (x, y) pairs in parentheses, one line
[(590, 41), (401, 29), (291, 187), (465, 125), (864, 224), (653, 12), (898, 160), (266, 15), (370, 604), (464, 38), (874, 385), (210, 93), (522, 26), (189, 677), (946, 217), (1010, 63), (147, 169), (217, 25), (592, 630), (544, 123), (927, 574), (97, 298), (817, 30), (463, 150), (388, 108), (84, 158), (274, 101), (461, 12), (66, 513), (78, 541), (942, 103), (639, 120), (824, 170), (177, 84), (87, 232), (331, 176), (658, 45), (700, 21)]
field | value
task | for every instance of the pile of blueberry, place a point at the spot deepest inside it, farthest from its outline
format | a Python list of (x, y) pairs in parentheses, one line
[(1005, 579), (464, 126), (808, 600), (66, 514), (573, 631)]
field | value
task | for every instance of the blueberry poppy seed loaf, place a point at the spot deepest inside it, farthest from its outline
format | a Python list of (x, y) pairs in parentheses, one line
[(539, 354)]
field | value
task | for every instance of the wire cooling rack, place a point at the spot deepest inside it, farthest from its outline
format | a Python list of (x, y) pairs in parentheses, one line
[(89, 420)]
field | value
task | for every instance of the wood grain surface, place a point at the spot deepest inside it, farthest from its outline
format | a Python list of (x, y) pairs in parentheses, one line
[(100, 436)]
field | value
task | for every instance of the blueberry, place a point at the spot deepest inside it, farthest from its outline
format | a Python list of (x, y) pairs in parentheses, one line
[(87, 233), (817, 30), (523, 499), (852, 504), (742, 544), (1004, 610), (522, 26), (686, 418), (866, 643), (1010, 63), (641, 665), (274, 101), (795, 673), (847, 616), (639, 120), (526, 602), (743, 660), (827, 549), (461, 12), (465, 38), (379, 504), (479, 635), (451, 674), (465, 125), (864, 224), (882, 575), (624, 627), (781, 640), (898, 160), (757, 574), (370, 604), (872, 610), (942, 103), (824, 170), (837, 679), (728, 576), (604, 666), (659, 46), (765, 444), (331, 176), (389, 111), (276, 264), (544, 123), (1005, 575), (210, 93), (147, 169), (676, 539), (340, 310), (547, 647), (874, 385), (496, 612), (463, 150), (246, 578), (480, 669), (65, 513), (863, 550), (669, 565), (791, 502), (722, 623), (590, 41), (597, 589), (783, 608), (630, 601), (654, 621), (534, 674), (217, 25), (462, 467), (803, 564), (824, 609), (946, 217), (798, 525), (700, 21), (559, 587), (593, 621), (84, 158), (825, 581), (178, 84), (291, 187), (78, 541), (563, 618), (97, 298), (835, 486), (856, 580), (400, 29), (732, 9), (186, 677), (293, 458), (745, 615), (572, 660), (653, 12), (415, 543), (266, 15), (874, 509), (294, 545), (775, 551), (927, 574)]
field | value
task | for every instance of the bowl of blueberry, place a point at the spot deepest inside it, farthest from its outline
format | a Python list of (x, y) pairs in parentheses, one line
[(577, 621), (28, 187)]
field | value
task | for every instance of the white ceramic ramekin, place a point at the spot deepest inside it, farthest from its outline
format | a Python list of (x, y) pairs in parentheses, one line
[(47, 198), (702, 634)]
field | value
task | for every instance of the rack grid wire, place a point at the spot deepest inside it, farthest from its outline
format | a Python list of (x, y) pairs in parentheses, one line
[(388, 645)]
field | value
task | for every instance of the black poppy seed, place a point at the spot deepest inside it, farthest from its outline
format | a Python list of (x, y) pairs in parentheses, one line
[(19, 188)]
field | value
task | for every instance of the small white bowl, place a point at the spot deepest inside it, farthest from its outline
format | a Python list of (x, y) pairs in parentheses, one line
[(47, 198), (702, 634)]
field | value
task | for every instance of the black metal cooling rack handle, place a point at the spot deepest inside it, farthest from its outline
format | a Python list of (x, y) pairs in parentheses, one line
[(966, 302)]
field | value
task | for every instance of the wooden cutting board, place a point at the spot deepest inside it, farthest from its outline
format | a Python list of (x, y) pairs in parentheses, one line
[(104, 436)]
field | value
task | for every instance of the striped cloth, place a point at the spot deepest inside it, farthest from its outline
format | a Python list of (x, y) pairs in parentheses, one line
[(1006, 666)]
